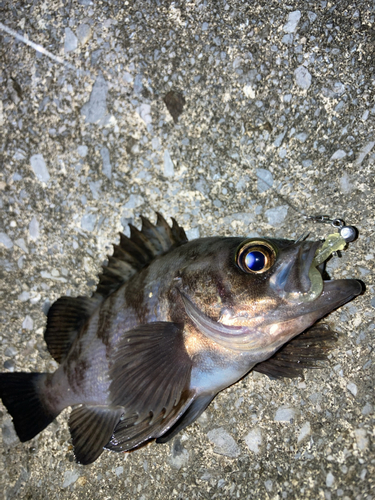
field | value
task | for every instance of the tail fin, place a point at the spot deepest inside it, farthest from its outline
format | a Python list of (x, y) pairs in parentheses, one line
[(21, 395)]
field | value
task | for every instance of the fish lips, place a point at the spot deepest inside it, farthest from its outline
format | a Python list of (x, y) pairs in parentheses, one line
[(299, 283), (338, 292), (298, 280)]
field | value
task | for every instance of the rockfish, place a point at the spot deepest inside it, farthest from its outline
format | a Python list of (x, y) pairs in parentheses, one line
[(172, 323)]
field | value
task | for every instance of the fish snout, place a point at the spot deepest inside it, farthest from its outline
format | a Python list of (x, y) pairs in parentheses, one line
[(292, 275)]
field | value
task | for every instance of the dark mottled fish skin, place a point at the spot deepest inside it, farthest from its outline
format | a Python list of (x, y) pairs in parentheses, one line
[(171, 324)]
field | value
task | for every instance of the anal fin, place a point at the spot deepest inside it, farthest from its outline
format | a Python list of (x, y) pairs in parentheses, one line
[(91, 428)]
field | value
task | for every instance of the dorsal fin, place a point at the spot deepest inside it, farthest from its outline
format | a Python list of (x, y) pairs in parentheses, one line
[(134, 253), (67, 315), (65, 318)]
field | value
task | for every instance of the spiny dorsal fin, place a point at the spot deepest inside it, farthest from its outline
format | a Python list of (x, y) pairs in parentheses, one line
[(134, 253)]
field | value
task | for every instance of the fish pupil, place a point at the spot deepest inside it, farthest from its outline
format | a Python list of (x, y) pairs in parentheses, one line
[(255, 260)]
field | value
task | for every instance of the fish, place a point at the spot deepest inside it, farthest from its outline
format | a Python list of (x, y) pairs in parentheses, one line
[(170, 324)]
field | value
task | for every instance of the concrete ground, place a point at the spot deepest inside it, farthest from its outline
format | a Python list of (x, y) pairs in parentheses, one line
[(283, 91)]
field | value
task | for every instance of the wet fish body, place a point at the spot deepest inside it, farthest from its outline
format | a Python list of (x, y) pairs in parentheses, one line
[(172, 323)]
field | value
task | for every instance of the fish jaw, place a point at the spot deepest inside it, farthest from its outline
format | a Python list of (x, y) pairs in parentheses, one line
[(335, 294), (262, 335)]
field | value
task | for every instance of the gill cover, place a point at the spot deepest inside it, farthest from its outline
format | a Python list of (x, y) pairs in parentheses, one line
[(236, 338)]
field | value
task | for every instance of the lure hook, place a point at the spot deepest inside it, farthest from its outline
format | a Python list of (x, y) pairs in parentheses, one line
[(349, 233)]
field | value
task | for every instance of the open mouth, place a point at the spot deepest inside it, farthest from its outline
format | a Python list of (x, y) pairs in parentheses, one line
[(299, 279), (342, 290)]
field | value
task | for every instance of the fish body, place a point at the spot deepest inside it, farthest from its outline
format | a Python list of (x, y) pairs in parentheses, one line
[(172, 323)]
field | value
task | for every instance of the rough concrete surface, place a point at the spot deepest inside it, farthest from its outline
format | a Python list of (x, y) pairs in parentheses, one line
[(88, 146)]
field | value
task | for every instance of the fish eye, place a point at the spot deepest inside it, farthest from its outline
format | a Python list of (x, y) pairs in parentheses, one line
[(255, 257)]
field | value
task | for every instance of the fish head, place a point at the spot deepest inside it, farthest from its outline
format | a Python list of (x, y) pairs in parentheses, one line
[(254, 295)]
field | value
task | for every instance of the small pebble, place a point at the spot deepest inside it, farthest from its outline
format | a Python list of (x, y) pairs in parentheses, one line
[(9, 435), (330, 479), (276, 216), (265, 180), (285, 414), (168, 164), (249, 91), (338, 155), (70, 477), (83, 33), (28, 323), (346, 184), (254, 440), (192, 233), (88, 221), (303, 77), (144, 111), (95, 109), (367, 409), (269, 485), (106, 165), (361, 438), (305, 431), (20, 242), (34, 229), (278, 140), (179, 456), (119, 470), (293, 20), (223, 442), (71, 41), (82, 151), (6, 241), (39, 167), (351, 386), (365, 150)]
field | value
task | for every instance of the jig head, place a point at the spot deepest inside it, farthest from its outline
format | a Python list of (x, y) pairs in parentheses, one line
[(348, 233)]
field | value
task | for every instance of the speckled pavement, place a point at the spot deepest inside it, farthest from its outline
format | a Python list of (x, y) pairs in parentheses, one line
[(285, 92)]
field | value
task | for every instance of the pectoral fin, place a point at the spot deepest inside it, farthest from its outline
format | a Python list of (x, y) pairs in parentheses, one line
[(131, 433), (151, 381), (307, 350), (191, 414)]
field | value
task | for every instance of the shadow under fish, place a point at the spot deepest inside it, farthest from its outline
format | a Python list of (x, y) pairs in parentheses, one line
[(172, 323)]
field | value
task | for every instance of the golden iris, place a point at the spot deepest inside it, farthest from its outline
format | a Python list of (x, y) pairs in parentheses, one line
[(255, 256)]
